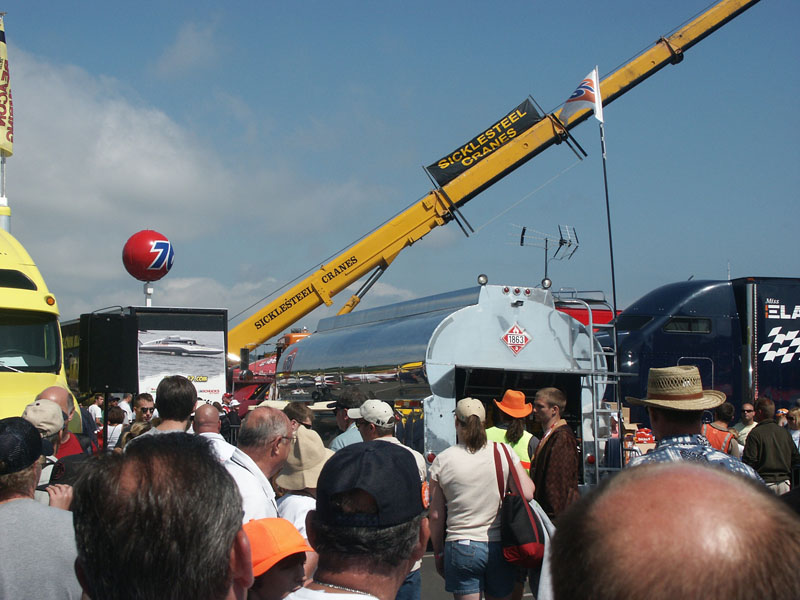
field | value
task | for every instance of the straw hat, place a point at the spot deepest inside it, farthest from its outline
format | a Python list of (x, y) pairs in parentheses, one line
[(305, 461), (513, 404), (678, 388)]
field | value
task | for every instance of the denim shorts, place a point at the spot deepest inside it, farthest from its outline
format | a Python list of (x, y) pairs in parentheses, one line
[(471, 567)]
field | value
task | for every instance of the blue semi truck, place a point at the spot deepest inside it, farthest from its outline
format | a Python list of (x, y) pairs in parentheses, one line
[(743, 334)]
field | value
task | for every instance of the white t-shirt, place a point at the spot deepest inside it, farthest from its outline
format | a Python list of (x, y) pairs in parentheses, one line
[(294, 508), (307, 594), (96, 412), (469, 484), (126, 408)]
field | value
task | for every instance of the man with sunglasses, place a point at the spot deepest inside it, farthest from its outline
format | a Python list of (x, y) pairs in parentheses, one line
[(264, 442), (143, 409), (746, 424)]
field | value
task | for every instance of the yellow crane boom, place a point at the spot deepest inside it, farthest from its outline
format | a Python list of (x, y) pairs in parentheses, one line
[(378, 249)]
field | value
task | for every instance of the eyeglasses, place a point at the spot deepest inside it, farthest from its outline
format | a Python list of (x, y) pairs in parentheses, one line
[(289, 439)]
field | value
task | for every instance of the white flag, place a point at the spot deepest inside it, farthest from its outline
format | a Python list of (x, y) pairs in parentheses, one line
[(587, 95)]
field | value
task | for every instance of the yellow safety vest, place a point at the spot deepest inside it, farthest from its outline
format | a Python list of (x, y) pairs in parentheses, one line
[(497, 434)]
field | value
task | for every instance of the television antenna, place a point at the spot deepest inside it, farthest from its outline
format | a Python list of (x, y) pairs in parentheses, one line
[(566, 244)]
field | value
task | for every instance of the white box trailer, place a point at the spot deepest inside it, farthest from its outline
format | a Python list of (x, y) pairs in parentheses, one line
[(475, 342)]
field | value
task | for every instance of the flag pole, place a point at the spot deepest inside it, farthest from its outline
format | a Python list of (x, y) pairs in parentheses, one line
[(608, 220)]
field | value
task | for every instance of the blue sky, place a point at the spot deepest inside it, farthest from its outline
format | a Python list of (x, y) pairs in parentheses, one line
[(261, 138)]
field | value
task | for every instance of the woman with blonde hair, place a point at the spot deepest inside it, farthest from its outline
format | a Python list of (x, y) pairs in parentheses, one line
[(464, 514)]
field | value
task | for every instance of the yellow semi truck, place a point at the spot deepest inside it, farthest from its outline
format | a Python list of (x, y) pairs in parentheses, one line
[(31, 356)]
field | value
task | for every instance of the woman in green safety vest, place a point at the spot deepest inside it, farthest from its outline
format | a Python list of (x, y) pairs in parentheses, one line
[(509, 426)]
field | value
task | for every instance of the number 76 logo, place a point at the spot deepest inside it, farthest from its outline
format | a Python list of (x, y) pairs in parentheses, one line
[(164, 255)]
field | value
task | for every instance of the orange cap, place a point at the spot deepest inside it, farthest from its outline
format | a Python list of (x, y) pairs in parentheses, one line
[(272, 540)]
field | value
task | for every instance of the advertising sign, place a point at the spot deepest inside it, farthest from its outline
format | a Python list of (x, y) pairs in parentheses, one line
[(188, 342), (778, 339), (515, 122)]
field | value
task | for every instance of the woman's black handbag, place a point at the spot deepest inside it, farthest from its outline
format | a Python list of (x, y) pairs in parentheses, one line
[(522, 532)]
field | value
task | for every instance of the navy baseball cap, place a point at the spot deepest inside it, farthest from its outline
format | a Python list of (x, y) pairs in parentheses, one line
[(387, 472), (20, 445)]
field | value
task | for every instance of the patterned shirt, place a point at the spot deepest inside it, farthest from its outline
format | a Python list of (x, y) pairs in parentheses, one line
[(693, 448)]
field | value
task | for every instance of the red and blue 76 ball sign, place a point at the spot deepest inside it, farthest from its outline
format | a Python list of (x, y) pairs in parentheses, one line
[(148, 255)]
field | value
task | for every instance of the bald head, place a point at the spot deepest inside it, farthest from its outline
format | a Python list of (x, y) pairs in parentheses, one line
[(206, 419), (60, 396), (692, 527)]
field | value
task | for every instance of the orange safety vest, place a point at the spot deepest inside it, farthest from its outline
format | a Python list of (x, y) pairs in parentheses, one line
[(721, 440)]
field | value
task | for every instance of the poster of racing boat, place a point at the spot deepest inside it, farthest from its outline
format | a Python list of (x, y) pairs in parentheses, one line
[(185, 343)]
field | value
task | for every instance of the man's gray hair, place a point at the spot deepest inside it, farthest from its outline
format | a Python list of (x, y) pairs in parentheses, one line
[(262, 426)]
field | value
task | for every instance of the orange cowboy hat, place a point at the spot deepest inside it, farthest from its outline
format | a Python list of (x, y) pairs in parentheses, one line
[(513, 404)]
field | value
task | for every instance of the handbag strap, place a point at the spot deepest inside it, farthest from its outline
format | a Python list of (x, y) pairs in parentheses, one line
[(499, 470), (515, 479)]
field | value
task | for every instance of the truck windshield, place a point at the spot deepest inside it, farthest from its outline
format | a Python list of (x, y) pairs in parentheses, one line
[(29, 342)]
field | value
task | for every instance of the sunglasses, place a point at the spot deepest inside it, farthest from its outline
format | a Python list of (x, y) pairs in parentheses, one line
[(748, 410), (147, 409)]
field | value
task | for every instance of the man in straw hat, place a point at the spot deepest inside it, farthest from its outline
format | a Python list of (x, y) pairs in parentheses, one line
[(675, 403)]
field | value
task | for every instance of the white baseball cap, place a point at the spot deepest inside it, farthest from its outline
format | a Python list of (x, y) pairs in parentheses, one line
[(373, 411)]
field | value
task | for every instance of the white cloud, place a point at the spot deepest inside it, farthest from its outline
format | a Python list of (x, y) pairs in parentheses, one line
[(91, 167), (392, 293), (194, 48)]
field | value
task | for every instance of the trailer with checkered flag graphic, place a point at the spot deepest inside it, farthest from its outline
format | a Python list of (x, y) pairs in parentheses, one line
[(743, 334)]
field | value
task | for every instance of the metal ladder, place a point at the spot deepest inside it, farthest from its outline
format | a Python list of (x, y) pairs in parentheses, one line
[(599, 379)]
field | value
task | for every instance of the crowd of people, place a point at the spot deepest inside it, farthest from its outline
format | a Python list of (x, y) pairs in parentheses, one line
[(173, 509)]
